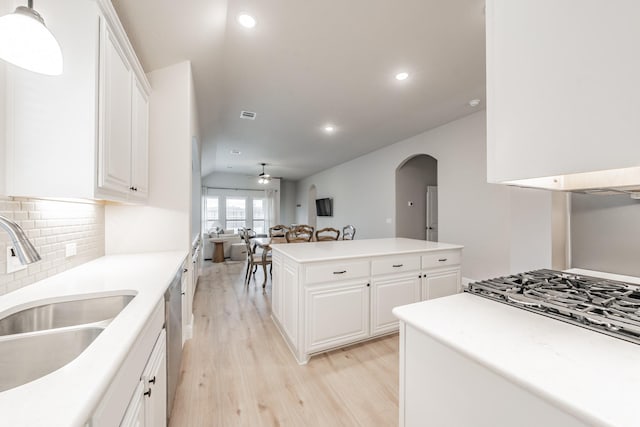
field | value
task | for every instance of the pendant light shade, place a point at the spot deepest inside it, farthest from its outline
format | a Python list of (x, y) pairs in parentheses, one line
[(27, 43)]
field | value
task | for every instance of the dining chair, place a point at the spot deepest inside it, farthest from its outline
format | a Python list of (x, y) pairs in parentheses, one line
[(278, 233), (348, 232), (257, 259), (300, 234), (327, 234)]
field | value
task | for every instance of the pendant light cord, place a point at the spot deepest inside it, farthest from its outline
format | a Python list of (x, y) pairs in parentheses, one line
[(30, 4)]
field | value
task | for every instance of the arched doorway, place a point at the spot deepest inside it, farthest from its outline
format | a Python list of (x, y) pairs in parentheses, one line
[(311, 214), (416, 198)]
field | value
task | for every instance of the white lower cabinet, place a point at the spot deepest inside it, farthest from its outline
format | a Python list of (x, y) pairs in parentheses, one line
[(322, 305), (137, 395), (388, 292), (134, 417), (148, 405), (336, 314), (442, 283)]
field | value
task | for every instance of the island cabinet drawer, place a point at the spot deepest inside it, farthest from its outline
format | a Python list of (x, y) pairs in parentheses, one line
[(395, 264), (441, 259), (334, 271)]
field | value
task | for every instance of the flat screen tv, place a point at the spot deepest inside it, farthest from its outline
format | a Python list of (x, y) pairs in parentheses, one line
[(324, 207)]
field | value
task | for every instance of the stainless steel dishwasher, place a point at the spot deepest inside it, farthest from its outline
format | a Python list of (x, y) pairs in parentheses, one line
[(173, 324)]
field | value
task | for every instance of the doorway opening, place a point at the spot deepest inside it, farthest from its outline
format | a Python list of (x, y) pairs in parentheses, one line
[(417, 198)]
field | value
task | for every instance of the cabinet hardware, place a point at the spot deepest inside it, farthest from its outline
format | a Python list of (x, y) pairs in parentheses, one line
[(340, 272), (152, 380), (442, 260), (184, 270), (397, 265), (420, 276), (368, 284), (184, 293), (131, 188), (148, 392)]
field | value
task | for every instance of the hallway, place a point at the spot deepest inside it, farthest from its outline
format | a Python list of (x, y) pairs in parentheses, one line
[(237, 370)]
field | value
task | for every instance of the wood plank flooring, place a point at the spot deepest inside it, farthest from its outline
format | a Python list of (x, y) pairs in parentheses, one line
[(237, 370)]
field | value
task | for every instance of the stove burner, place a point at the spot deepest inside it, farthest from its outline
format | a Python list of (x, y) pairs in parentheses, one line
[(604, 305)]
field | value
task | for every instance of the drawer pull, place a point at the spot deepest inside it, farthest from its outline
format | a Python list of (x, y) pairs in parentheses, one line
[(147, 393), (442, 260), (397, 265), (340, 272)]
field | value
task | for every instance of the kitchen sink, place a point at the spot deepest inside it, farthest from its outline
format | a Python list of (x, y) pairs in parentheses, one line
[(63, 314), (27, 357)]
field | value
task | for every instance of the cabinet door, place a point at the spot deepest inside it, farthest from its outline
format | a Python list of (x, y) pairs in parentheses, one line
[(289, 299), (154, 377), (134, 417), (276, 287), (115, 116), (440, 284), (139, 141), (388, 293), (336, 314)]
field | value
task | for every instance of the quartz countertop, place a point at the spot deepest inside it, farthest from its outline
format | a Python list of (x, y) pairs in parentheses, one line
[(342, 249), (68, 396), (591, 375)]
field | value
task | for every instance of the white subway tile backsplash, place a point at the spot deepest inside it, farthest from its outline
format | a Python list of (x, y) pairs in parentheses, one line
[(50, 225)]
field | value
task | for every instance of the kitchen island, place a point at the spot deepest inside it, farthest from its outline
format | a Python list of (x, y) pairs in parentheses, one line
[(467, 360), (331, 294)]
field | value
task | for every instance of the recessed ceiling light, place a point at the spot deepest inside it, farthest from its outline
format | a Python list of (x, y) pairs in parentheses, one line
[(236, 152), (329, 128), (474, 103), (247, 21), (402, 76)]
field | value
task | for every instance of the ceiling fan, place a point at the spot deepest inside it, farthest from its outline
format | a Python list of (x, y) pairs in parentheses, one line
[(264, 178)]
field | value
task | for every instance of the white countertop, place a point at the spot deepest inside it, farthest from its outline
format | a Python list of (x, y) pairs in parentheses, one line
[(340, 249), (68, 396), (593, 376)]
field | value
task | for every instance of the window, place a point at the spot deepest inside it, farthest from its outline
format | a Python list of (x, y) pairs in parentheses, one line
[(258, 216), (236, 213), (212, 214)]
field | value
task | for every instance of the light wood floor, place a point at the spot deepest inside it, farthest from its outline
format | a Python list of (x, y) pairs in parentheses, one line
[(237, 370)]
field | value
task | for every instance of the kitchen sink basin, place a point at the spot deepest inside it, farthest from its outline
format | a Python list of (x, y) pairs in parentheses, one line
[(27, 357), (63, 314)]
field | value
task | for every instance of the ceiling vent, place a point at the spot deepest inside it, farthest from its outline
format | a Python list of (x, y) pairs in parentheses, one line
[(248, 115)]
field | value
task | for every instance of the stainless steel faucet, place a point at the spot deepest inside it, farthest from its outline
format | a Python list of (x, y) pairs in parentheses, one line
[(24, 249)]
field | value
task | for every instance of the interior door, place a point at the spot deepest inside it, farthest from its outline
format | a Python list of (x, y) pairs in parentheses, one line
[(432, 213)]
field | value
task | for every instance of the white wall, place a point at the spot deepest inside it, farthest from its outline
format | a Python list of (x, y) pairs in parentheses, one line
[(471, 212), (165, 223), (288, 202), (196, 170)]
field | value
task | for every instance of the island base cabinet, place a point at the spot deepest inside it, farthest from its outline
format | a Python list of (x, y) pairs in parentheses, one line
[(446, 388), (441, 283), (337, 314), (387, 294)]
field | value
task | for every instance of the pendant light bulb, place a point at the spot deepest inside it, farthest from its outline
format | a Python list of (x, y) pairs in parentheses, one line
[(27, 43)]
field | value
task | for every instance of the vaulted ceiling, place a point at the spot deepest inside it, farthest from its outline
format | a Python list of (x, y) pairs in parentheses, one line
[(307, 64)]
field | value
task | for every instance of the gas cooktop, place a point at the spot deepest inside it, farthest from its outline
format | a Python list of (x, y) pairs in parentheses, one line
[(607, 306)]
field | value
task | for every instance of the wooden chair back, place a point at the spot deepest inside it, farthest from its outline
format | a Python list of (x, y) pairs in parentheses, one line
[(300, 234), (348, 232), (278, 231), (327, 234)]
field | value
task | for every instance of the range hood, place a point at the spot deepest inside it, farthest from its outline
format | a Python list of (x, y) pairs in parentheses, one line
[(605, 182)]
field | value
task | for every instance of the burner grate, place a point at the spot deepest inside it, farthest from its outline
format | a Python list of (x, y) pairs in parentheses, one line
[(604, 305)]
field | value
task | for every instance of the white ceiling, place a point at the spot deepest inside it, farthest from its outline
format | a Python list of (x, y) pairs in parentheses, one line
[(308, 63)]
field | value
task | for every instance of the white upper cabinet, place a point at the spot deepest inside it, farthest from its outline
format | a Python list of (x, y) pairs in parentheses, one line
[(563, 83), (80, 134)]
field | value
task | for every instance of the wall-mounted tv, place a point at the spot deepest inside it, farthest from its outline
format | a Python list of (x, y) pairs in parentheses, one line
[(324, 207)]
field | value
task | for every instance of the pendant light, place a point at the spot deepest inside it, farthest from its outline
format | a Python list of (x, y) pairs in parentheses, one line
[(27, 43), (264, 178)]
